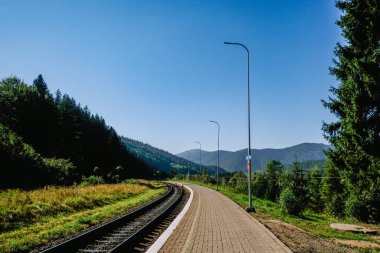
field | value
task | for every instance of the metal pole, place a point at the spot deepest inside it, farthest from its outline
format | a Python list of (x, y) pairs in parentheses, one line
[(200, 157), (249, 157), (217, 168), (188, 168)]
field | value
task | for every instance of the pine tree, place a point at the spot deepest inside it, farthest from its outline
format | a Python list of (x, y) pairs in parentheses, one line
[(293, 198), (41, 85), (298, 183), (356, 104), (314, 190), (273, 173), (333, 191)]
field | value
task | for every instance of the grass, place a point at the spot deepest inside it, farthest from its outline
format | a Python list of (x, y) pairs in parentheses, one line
[(314, 223), (29, 219)]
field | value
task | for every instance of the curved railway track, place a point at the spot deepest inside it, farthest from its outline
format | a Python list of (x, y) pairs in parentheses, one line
[(129, 233)]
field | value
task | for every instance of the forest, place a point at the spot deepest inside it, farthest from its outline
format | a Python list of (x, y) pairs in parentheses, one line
[(51, 139)]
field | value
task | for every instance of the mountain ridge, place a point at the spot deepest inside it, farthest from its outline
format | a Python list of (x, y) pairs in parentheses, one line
[(235, 160), (163, 161)]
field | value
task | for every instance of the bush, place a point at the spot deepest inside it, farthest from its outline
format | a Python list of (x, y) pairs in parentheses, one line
[(259, 184), (364, 206), (290, 203), (92, 180), (238, 182), (62, 169)]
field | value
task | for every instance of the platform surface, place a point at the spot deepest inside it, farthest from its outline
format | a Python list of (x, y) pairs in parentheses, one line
[(214, 223)]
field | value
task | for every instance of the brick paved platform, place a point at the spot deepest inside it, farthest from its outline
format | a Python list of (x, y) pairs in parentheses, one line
[(215, 223)]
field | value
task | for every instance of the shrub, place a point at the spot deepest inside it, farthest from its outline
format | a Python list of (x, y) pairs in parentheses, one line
[(364, 206), (92, 180), (238, 182), (290, 203), (62, 169), (259, 184)]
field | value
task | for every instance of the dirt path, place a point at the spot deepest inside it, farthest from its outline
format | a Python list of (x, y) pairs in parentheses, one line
[(301, 241)]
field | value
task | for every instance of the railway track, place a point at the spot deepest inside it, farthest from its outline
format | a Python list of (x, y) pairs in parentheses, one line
[(133, 232)]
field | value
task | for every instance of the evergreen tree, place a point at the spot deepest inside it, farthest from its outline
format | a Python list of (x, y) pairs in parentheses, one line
[(259, 184), (273, 175), (293, 198), (314, 190), (41, 85), (333, 191), (356, 104), (298, 182), (62, 140)]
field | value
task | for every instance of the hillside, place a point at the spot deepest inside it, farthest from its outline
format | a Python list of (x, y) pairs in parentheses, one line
[(235, 161), (164, 161), (48, 139)]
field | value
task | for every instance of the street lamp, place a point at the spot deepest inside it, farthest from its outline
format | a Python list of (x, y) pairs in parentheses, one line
[(200, 157), (217, 168), (249, 157)]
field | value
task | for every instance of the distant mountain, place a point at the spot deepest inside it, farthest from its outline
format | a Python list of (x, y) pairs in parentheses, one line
[(235, 161), (164, 161)]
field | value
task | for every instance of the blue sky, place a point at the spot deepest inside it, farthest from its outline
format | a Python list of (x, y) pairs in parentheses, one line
[(158, 71)]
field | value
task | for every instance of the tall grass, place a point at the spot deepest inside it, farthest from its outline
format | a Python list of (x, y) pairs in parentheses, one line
[(18, 207), (32, 218)]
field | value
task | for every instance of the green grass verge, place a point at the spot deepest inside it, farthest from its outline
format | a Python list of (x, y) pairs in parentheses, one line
[(89, 207), (314, 223)]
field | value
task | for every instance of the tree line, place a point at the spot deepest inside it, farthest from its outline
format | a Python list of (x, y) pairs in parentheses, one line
[(52, 139), (319, 189)]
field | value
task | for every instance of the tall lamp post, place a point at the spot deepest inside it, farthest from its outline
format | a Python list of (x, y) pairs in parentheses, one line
[(200, 157), (217, 168), (249, 157)]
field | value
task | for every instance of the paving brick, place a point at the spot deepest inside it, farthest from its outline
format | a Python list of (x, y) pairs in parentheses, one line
[(215, 223)]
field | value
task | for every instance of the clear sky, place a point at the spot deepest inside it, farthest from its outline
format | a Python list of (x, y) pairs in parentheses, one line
[(158, 71)]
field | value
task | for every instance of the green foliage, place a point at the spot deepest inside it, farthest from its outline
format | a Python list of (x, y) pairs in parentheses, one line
[(163, 161), (116, 174), (333, 191), (314, 190), (92, 180), (62, 169), (36, 126), (293, 199), (238, 182), (290, 202), (26, 167), (298, 182), (356, 104), (41, 86), (259, 184), (308, 165), (365, 207), (273, 176)]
